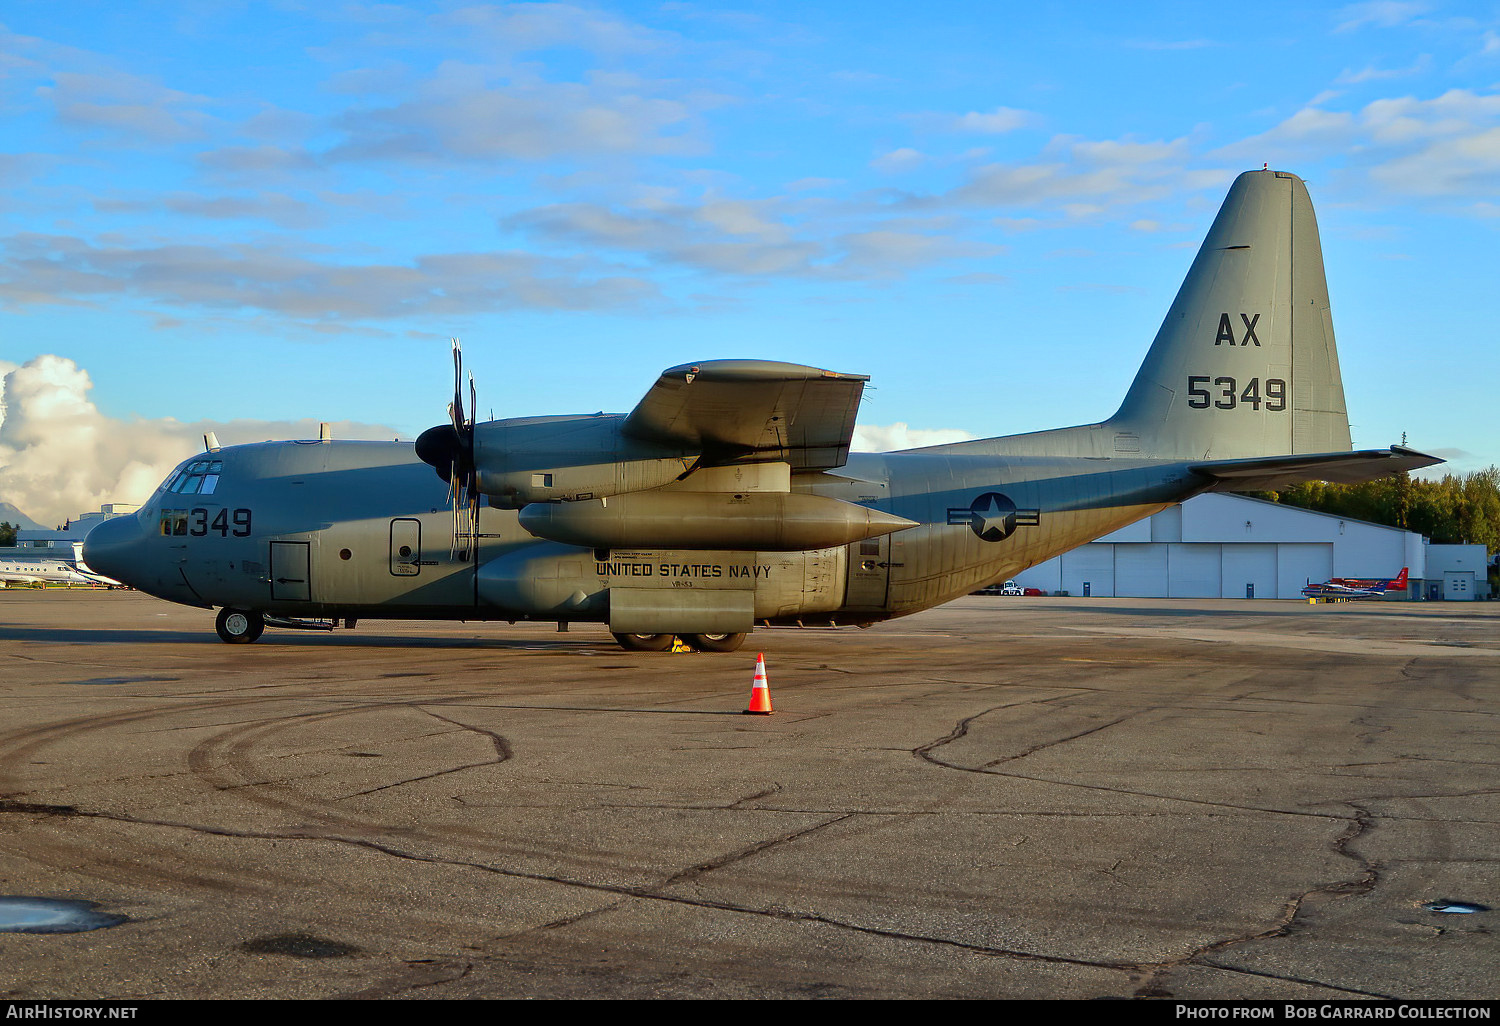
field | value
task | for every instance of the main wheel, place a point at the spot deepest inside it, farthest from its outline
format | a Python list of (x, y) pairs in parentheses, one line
[(239, 626), (645, 642), (714, 642)]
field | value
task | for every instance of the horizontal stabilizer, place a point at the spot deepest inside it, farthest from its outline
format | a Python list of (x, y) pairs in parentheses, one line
[(1339, 467)]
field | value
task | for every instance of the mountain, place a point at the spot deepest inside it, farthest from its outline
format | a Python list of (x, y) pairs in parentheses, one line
[(10, 515)]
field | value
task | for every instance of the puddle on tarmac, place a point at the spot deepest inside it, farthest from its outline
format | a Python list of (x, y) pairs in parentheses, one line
[(299, 945), (1455, 907), (126, 680), (21, 914)]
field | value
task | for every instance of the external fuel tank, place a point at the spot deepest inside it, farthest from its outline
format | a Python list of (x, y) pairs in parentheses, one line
[(760, 521)]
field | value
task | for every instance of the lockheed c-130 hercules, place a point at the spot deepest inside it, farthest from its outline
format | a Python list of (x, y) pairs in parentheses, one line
[(728, 499)]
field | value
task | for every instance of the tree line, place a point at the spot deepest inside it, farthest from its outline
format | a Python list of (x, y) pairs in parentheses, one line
[(1455, 510)]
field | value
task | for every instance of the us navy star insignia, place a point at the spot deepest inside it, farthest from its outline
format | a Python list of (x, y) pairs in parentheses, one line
[(994, 517)]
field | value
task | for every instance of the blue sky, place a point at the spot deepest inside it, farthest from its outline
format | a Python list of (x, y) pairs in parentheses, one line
[(277, 211)]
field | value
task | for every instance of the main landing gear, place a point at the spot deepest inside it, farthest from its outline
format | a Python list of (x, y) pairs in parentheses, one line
[(663, 642), (239, 626)]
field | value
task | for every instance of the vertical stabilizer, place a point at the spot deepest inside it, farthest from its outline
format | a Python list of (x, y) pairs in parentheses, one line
[(1244, 364)]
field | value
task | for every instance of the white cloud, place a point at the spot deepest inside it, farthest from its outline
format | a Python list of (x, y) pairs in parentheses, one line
[(522, 27), (752, 237), (999, 120), (1464, 166), (136, 110), (59, 456), (1378, 13), (468, 113), (890, 437), (1445, 145), (899, 161), (63, 270), (1082, 177), (1374, 74)]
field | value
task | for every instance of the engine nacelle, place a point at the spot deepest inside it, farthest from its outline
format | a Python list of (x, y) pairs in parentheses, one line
[(760, 521), (549, 459)]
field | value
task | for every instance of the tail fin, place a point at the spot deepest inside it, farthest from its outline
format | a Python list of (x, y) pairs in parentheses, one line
[(1244, 364), (1399, 584)]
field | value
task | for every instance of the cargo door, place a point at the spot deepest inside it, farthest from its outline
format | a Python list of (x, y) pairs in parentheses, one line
[(290, 579)]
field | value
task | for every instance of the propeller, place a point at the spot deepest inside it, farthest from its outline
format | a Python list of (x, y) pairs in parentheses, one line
[(449, 449)]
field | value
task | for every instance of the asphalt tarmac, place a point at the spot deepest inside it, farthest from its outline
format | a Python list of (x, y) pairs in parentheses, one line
[(1005, 797)]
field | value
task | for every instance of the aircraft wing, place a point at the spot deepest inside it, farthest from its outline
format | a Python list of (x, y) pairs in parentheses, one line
[(732, 408), (1272, 472)]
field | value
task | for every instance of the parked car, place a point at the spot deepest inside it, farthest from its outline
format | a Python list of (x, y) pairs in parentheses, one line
[(1008, 588)]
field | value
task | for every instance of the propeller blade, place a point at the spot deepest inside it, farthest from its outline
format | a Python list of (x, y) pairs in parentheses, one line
[(456, 408), (449, 449), (474, 501)]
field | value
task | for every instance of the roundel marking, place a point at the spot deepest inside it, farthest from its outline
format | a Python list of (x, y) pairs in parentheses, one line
[(993, 516)]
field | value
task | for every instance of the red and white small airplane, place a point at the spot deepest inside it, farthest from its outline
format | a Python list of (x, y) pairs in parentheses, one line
[(1356, 587)]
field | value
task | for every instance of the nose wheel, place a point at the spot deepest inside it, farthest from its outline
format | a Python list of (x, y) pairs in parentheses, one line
[(239, 626)]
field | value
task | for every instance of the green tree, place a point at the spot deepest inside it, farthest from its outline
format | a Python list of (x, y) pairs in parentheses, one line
[(1457, 509), (7, 533)]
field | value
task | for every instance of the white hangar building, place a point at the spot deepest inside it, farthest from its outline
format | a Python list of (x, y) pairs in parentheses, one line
[(1231, 546)]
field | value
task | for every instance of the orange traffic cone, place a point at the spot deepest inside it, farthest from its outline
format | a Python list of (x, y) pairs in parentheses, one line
[(760, 692)]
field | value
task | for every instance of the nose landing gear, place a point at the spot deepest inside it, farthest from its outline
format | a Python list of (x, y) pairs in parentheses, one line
[(239, 626)]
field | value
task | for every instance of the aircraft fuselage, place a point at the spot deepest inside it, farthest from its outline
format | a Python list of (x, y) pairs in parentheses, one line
[(357, 530)]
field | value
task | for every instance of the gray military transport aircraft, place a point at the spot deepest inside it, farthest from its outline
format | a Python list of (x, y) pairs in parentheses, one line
[(728, 499)]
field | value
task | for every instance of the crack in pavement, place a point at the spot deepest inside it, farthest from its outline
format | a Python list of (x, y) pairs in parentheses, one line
[(1357, 825), (502, 754), (648, 893), (396, 988), (1362, 883), (1062, 740), (693, 872)]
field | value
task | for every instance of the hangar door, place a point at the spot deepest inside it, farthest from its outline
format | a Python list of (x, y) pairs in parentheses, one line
[(1301, 564), (1093, 565), (1141, 571), (1194, 570), (1246, 567), (1458, 585)]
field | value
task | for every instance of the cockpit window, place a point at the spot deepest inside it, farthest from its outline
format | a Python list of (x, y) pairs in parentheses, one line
[(174, 522), (200, 477)]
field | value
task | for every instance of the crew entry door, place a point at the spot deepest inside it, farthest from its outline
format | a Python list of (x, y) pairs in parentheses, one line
[(406, 547), (869, 573)]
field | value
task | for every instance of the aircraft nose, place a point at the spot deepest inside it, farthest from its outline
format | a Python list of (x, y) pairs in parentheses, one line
[(113, 548)]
